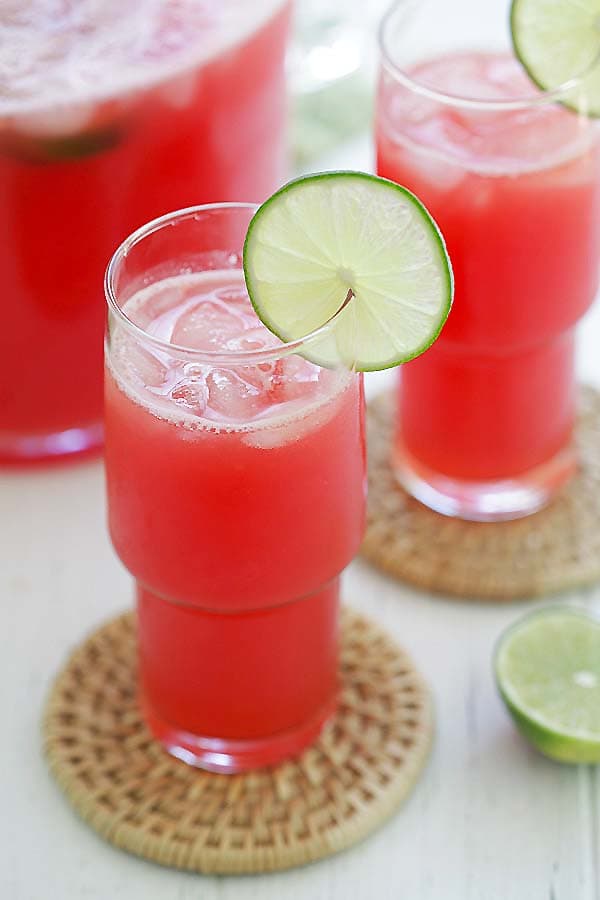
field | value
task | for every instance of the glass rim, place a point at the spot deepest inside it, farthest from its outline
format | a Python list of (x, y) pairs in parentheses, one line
[(541, 97), (207, 357)]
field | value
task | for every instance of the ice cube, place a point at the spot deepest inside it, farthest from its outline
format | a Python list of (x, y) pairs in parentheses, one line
[(191, 395), (138, 364), (154, 307), (508, 75), (59, 121), (233, 398), (253, 339), (179, 92), (436, 168), (295, 379), (481, 76), (402, 106), (235, 295), (207, 325), (532, 137)]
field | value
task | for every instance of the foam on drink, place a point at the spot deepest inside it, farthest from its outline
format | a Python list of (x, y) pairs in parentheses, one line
[(210, 312), (447, 140), (58, 53)]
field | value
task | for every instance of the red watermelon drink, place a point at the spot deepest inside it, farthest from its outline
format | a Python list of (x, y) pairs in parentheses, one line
[(236, 492), (112, 114), (485, 419)]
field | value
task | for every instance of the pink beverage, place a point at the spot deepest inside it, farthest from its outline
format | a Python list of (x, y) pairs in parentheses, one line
[(112, 113), (485, 418), (235, 473)]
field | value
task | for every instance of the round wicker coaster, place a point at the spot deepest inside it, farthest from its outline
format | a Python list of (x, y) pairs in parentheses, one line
[(143, 800), (553, 550)]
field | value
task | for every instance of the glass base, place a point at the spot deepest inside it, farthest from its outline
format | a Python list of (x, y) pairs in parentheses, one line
[(229, 756), (485, 501), (15, 448)]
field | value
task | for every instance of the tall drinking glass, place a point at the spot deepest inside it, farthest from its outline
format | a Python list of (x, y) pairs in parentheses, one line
[(113, 113), (485, 419), (235, 472)]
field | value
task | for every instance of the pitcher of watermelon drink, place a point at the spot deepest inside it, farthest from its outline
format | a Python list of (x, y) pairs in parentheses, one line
[(111, 114)]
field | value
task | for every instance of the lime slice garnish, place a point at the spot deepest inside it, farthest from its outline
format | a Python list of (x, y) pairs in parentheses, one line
[(351, 240), (548, 672), (558, 41)]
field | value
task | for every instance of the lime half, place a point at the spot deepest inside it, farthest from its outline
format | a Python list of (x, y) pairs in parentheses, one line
[(558, 41), (356, 245), (548, 672)]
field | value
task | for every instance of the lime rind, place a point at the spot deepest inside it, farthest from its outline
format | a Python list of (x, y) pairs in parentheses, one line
[(558, 44), (322, 235), (537, 665), (553, 744)]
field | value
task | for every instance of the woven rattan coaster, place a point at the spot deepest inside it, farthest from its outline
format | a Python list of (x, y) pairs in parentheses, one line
[(145, 801), (555, 549)]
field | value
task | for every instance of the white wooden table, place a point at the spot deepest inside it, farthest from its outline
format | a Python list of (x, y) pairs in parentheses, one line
[(489, 820)]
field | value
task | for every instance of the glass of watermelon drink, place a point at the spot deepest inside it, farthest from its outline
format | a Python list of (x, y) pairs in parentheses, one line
[(511, 174), (236, 479)]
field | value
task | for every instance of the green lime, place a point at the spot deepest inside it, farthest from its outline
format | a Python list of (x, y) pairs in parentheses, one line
[(547, 669), (351, 240), (34, 149), (558, 41)]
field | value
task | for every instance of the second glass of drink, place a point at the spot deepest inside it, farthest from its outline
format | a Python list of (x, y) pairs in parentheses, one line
[(485, 419)]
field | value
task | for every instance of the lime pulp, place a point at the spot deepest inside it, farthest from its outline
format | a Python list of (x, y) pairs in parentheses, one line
[(558, 43), (355, 251), (547, 669)]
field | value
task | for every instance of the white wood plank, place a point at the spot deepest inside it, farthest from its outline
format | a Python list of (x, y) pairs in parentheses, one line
[(595, 828)]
